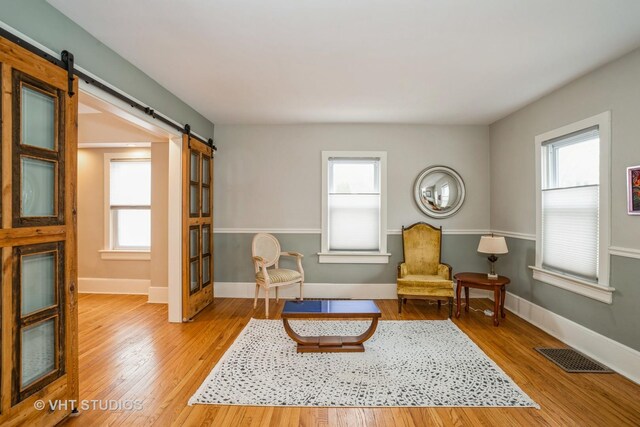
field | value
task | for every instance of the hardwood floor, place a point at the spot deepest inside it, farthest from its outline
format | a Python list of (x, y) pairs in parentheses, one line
[(128, 351)]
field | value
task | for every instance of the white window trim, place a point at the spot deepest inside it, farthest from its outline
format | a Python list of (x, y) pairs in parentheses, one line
[(350, 257), (600, 291), (118, 254)]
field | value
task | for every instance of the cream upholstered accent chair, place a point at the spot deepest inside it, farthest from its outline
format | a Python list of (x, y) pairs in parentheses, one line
[(422, 274), (265, 250)]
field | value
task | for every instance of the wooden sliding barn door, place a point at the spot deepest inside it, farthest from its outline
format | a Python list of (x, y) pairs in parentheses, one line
[(39, 332), (197, 227)]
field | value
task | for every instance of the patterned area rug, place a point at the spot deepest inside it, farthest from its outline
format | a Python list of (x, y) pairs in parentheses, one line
[(405, 363)]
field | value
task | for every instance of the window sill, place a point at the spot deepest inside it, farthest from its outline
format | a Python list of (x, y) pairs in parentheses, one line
[(111, 254), (353, 258), (582, 287)]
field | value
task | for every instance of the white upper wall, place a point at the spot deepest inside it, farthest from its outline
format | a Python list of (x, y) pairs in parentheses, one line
[(269, 176), (614, 87)]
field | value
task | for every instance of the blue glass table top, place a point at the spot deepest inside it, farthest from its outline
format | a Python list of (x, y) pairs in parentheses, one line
[(330, 307)]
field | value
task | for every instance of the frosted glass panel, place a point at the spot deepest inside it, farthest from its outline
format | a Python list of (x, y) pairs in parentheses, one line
[(38, 282), (38, 119), (205, 200), (354, 222), (205, 170), (132, 228), (38, 351), (37, 187), (193, 243), (205, 240), (206, 265), (193, 276), (130, 183), (194, 167), (570, 231), (194, 209)]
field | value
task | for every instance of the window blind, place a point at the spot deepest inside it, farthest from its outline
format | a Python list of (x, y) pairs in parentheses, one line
[(354, 204), (570, 231), (130, 183)]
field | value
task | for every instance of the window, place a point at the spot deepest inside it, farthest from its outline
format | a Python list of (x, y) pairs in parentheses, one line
[(354, 207), (127, 205), (573, 208)]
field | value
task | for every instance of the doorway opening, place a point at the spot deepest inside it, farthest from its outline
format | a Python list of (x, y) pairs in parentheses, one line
[(124, 198)]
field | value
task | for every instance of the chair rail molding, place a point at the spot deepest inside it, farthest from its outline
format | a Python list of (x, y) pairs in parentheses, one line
[(624, 252)]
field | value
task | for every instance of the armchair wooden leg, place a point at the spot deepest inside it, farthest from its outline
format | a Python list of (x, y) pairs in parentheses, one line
[(399, 305), (266, 303), (277, 299), (255, 299), (450, 307), (301, 297)]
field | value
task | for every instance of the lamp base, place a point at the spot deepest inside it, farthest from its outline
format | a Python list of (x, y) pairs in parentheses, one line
[(492, 276)]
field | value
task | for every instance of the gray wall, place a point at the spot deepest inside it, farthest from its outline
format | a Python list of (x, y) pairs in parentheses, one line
[(614, 87), (268, 177), (43, 23), (232, 257)]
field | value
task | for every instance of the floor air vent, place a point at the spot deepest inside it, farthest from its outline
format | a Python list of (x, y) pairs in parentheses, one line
[(572, 361)]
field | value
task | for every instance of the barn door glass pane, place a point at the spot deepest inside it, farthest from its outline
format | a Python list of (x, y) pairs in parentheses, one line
[(206, 269), (38, 282), (193, 200), (193, 243), (205, 171), (205, 200), (194, 166), (38, 351), (205, 240), (37, 187), (38, 119), (193, 276)]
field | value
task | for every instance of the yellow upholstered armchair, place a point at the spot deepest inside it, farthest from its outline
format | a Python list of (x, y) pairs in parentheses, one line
[(265, 252), (422, 275)]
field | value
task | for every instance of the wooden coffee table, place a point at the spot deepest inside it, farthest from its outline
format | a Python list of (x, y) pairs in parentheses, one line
[(481, 281), (331, 309)]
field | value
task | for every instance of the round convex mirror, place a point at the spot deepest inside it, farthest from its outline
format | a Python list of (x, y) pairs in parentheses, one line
[(439, 191)]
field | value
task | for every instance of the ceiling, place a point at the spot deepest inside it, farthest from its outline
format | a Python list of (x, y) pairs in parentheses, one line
[(364, 61), (102, 125)]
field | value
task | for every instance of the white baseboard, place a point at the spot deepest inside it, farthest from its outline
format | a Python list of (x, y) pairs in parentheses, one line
[(94, 285), (158, 294), (321, 290), (619, 357)]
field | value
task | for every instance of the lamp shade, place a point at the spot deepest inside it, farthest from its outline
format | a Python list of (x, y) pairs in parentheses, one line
[(492, 245)]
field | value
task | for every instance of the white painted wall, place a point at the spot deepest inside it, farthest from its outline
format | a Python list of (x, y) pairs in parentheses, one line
[(269, 176)]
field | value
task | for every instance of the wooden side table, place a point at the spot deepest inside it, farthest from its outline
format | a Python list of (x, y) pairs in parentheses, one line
[(481, 281)]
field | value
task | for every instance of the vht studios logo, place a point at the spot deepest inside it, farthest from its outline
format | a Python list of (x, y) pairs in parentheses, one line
[(89, 405)]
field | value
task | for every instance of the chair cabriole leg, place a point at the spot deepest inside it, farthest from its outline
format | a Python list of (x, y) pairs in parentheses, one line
[(255, 299)]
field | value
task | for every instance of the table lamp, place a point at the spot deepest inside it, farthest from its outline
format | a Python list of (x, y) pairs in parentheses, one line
[(492, 245)]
